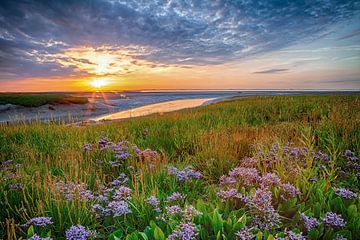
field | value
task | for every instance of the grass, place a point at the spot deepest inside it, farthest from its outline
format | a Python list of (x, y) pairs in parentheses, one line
[(213, 139), (39, 99)]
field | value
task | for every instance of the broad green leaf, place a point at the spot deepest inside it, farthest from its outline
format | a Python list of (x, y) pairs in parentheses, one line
[(143, 236), (158, 234), (217, 221), (30, 231)]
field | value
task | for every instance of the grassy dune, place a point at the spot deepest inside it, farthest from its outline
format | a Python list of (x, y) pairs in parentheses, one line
[(300, 139), (39, 99)]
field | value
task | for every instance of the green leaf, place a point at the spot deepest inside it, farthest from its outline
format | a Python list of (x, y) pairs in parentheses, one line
[(132, 236), (117, 235), (143, 236), (352, 211), (48, 234), (217, 221), (270, 237), (313, 234), (259, 236), (158, 234), (30, 231)]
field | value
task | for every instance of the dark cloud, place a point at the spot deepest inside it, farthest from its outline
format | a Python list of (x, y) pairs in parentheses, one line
[(181, 32), (274, 70)]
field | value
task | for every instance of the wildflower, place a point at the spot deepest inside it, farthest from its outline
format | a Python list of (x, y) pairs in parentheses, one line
[(7, 163), (288, 191), (87, 148), (184, 231), (77, 232), (183, 175), (175, 196), (345, 193), (118, 208), (39, 222), (173, 210), (226, 180), (290, 235), (265, 216), (340, 237), (15, 186), (333, 220), (121, 180), (114, 163), (320, 156), (72, 190), (270, 180), (37, 237), (153, 201), (247, 176), (194, 174), (172, 170), (245, 234), (313, 179), (122, 193), (229, 194), (190, 212), (249, 162), (309, 222), (351, 156)]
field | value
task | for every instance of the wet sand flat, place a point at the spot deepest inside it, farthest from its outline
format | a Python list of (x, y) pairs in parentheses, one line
[(155, 108)]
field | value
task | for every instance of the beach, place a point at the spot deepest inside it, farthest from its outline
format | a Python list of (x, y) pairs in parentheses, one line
[(155, 108)]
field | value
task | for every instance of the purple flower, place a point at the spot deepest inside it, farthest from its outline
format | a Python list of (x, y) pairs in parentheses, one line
[(345, 193), (37, 237), (72, 191), (173, 210), (15, 186), (39, 222), (333, 220), (320, 156), (264, 215), (229, 194), (194, 174), (175, 196), (309, 222), (290, 235), (288, 191), (153, 201), (172, 170), (226, 180), (183, 175), (77, 232), (87, 148), (249, 162), (270, 180), (190, 212), (121, 180), (340, 237), (246, 176), (245, 234), (122, 193), (118, 208), (349, 153), (184, 231)]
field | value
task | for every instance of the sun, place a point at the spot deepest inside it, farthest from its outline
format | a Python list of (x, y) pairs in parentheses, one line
[(98, 83)]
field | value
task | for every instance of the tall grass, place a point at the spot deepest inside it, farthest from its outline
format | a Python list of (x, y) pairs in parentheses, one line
[(212, 138)]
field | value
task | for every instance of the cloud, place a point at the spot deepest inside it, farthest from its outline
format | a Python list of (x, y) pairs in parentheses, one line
[(174, 32), (274, 70)]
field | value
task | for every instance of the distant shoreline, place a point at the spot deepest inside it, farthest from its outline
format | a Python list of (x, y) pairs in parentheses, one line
[(114, 103)]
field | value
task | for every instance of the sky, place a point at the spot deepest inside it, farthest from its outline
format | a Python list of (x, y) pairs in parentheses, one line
[(75, 45)]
